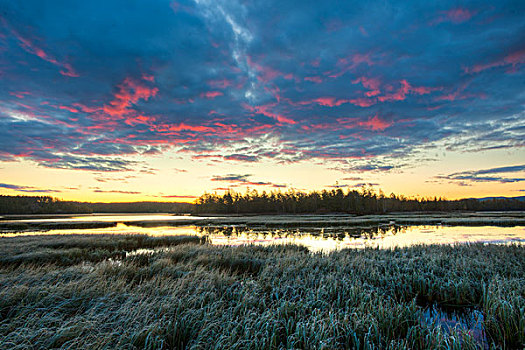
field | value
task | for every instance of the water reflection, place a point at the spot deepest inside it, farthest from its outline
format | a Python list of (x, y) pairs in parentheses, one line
[(57, 219), (319, 238), (466, 320), (385, 236)]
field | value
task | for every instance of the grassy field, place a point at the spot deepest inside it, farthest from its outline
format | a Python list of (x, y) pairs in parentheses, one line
[(90, 292)]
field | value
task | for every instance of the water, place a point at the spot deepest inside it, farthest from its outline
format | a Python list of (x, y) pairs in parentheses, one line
[(317, 238), (98, 218), (466, 320)]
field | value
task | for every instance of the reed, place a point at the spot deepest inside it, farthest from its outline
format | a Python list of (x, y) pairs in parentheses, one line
[(199, 296)]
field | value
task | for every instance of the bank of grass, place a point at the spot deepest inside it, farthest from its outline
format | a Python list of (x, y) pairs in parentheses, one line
[(199, 296), (67, 250)]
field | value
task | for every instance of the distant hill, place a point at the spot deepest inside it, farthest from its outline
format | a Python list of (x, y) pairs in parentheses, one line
[(50, 205), (40, 205)]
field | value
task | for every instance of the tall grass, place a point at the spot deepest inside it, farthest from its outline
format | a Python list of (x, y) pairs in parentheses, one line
[(66, 250), (199, 296)]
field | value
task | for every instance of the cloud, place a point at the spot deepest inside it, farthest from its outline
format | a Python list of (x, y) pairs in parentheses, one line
[(231, 177), (211, 94), (297, 82), (27, 189), (338, 186), (505, 169), (241, 157), (84, 163), (237, 180), (467, 177), (28, 45), (454, 15), (361, 184), (116, 191), (130, 92), (513, 61), (352, 178)]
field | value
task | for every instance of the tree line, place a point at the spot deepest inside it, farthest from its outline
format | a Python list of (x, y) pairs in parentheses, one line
[(364, 201), (50, 205)]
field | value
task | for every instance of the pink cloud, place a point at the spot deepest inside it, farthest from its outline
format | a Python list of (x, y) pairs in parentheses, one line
[(372, 93), (70, 109), (211, 94), (219, 84), (455, 15), (149, 78), (324, 101), (421, 90), (346, 64), (275, 91), (404, 89), (514, 60), (266, 111), (458, 94), (86, 109), (375, 124), (140, 119), (30, 47), (398, 95), (266, 74), (69, 71), (329, 101), (372, 84), (458, 15), (19, 94), (363, 102), (185, 127), (130, 92), (314, 79), (369, 83)]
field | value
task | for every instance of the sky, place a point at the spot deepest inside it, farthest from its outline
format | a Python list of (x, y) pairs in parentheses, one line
[(159, 100)]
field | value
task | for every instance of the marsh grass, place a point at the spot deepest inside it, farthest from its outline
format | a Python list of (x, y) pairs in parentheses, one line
[(67, 250), (200, 296)]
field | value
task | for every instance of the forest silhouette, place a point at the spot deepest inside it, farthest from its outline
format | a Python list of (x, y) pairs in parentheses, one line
[(363, 201)]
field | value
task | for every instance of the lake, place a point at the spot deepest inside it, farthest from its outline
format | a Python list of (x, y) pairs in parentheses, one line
[(317, 232)]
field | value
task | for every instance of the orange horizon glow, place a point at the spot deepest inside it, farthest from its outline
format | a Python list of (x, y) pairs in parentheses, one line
[(186, 186)]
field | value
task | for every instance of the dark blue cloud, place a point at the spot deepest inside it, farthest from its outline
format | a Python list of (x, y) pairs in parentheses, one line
[(237, 180), (486, 175), (27, 189), (85, 85)]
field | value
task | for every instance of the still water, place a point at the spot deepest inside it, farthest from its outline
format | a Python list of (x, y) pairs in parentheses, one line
[(325, 238)]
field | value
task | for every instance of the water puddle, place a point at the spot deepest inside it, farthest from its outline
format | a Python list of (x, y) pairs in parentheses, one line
[(456, 320)]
